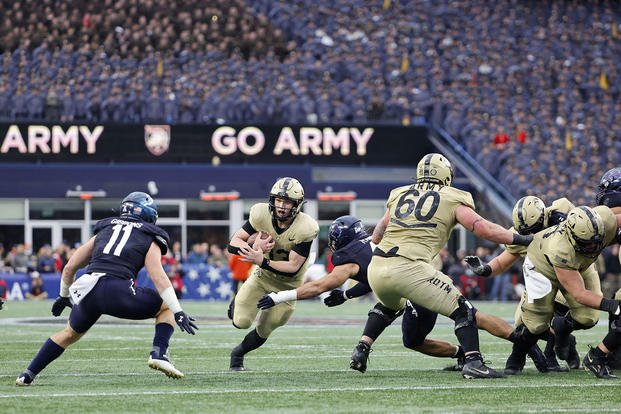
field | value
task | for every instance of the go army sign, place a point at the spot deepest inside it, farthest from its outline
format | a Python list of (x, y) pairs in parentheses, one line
[(367, 144)]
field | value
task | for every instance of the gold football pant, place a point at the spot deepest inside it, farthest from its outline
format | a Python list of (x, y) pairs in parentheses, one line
[(257, 285), (537, 315), (394, 279)]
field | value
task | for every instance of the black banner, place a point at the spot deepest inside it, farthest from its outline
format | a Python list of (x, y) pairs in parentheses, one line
[(341, 145)]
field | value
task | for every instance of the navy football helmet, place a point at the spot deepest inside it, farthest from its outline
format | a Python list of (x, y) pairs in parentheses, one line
[(609, 189), (140, 205), (343, 231)]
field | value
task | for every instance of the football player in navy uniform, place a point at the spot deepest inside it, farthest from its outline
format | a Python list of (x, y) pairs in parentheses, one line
[(281, 259), (120, 248)]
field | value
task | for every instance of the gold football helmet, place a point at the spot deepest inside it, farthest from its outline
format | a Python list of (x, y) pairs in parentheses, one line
[(528, 215), (289, 189), (586, 231), (434, 168)]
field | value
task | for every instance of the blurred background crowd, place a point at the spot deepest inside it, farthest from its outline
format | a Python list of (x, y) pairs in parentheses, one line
[(529, 88)]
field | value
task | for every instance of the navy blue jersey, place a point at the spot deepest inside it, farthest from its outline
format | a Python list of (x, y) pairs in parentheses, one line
[(121, 245), (359, 252)]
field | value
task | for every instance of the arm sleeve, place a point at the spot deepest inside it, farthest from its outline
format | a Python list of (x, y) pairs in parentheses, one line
[(303, 249), (247, 227), (358, 290)]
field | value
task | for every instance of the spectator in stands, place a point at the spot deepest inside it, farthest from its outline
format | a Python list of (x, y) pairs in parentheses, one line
[(37, 289), (198, 254), (46, 263), (20, 260)]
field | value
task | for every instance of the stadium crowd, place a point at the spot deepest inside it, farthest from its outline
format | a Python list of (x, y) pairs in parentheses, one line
[(529, 88)]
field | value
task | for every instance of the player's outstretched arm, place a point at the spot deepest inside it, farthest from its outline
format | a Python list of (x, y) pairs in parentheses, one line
[(572, 281), (332, 280), (485, 229), (153, 264)]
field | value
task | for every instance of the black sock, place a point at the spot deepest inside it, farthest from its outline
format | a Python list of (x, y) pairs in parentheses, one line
[(468, 337), (251, 342), (460, 352), (549, 344), (612, 341), (48, 352), (163, 332)]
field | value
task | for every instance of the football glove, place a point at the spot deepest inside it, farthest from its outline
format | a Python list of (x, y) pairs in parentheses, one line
[(60, 303), (1, 303), (266, 302), (185, 322), (477, 266), (337, 297), (612, 306)]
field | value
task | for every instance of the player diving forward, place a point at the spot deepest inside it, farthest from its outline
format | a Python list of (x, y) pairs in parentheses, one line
[(352, 253)]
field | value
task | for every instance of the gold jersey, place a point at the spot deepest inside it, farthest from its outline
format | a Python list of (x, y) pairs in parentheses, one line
[(552, 248), (303, 229), (422, 217)]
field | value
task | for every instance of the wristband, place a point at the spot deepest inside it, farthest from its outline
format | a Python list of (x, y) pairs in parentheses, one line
[(64, 288), (170, 299), (522, 240), (345, 295), (284, 296), (265, 264), (609, 305)]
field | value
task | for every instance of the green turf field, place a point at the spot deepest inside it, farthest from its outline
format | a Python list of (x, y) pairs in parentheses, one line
[(302, 368)]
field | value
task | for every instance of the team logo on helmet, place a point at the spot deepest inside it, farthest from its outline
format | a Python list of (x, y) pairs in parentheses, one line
[(157, 138)]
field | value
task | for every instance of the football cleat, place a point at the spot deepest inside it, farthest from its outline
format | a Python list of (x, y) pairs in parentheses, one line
[(24, 380), (597, 365), (573, 359), (539, 359), (360, 357), (515, 362), (164, 365), (237, 360), (475, 368)]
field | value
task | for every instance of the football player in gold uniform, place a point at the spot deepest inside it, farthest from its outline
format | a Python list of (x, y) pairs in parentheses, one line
[(417, 224), (560, 259), (282, 259), (530, 215)]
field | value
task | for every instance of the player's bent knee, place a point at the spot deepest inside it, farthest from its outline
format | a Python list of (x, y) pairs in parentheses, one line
[(387, 314), (465, 315), (241, 322), (413, 342)]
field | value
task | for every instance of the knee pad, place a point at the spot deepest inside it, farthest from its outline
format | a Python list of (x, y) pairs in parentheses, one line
[(567, 324), (464, 315), (524, 339), (385, 313)]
